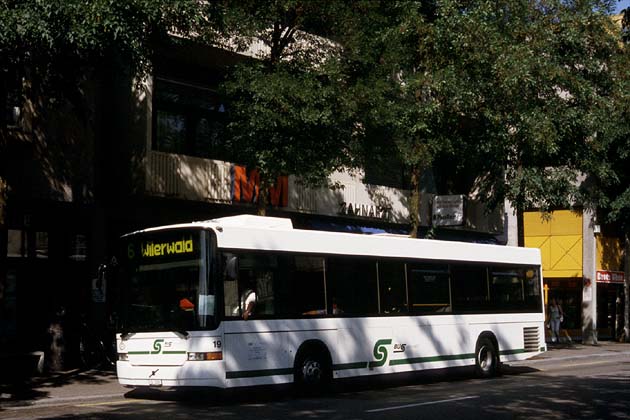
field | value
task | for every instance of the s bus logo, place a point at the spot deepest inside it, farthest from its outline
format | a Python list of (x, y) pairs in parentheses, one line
[(157, 346), (380, 352), (131, 252)]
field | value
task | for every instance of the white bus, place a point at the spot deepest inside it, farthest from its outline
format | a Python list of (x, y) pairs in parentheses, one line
[(248, 300)]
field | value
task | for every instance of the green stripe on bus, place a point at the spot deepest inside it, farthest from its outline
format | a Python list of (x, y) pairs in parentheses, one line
[(258, 373), (363, 365), (139, 352), (414, 360), (355, 365)]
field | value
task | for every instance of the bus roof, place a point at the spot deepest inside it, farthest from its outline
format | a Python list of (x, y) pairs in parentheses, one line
[(249, 232)]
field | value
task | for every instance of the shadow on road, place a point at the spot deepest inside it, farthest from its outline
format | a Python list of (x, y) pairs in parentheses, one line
[(24, 390), (276, 393)]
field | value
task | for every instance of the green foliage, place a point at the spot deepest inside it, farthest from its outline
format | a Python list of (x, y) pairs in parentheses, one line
[(285, 122), (55, 43), (607, 184), (287, 110), (507, 90)]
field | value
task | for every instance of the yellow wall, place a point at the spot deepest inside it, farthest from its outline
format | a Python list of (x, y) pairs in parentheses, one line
[(559, 237), (609, 254)]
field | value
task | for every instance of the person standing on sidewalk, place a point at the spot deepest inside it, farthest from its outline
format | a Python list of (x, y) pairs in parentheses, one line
[(556, 316)]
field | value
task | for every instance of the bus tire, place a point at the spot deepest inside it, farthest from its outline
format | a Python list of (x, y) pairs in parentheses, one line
[(313, 371), (486, 358)]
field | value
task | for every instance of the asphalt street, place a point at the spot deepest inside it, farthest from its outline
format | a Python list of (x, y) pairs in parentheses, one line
[(571, 382)]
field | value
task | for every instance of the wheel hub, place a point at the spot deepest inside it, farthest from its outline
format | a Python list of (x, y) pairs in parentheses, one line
[(312, 371)]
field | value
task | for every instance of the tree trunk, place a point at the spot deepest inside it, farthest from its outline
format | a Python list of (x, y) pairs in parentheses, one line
[(414, 202), (626, 288), (263, 197)]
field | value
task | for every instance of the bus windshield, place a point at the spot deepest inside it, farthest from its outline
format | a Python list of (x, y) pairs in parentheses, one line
[(166, 285)]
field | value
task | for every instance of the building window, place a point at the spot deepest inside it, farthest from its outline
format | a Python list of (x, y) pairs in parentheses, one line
[(41, 244), (189, 120), (78, 248), (16, 243)]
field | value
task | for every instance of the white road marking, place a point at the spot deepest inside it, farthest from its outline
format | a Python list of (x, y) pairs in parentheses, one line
[(399, 407)]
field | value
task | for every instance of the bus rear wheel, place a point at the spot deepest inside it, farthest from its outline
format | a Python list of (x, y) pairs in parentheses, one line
[(486, 358)]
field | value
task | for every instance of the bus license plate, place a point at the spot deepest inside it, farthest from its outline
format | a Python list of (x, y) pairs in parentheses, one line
[(155, 382)]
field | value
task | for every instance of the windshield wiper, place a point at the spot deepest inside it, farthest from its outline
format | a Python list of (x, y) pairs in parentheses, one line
[(125, 334), (183, 332)]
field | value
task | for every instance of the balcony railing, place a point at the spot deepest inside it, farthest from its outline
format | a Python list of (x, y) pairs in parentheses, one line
[(187, 177), (198, 179)]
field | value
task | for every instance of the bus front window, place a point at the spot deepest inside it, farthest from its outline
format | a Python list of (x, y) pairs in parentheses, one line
[(166, 286)]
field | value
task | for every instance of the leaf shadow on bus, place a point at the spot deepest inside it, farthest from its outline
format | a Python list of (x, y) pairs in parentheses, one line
[(199, 396)]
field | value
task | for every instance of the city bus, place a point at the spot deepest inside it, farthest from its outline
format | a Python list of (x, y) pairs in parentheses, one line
[(247, 300)]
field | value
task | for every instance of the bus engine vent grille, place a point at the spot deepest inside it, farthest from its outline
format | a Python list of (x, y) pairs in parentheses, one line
[(531, 338)]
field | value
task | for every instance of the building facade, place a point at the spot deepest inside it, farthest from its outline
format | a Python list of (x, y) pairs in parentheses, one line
[(582, 269), (152, 153)]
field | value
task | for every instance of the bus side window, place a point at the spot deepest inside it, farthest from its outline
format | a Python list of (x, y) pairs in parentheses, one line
[(429, 288), (306, 278), (352, 285), (393, 293), (257, 275), (230, 286), (470, 288)]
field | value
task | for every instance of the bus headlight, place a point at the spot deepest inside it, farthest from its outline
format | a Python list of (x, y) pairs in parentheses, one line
[(214, 355), (123, 357)]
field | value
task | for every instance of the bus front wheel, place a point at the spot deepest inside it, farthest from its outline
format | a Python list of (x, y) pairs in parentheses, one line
[(486, 358), (312, 372)]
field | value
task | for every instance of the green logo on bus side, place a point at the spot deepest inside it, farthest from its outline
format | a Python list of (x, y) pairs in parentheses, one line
[(380, 352), (157, 346)]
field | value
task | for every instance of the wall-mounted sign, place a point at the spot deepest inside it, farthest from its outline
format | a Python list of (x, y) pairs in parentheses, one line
[(364, 210), (448, 210), (246, 187), (613, 277)]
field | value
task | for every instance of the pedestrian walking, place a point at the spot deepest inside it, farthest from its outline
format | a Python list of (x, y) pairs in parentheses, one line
[(556, 316)]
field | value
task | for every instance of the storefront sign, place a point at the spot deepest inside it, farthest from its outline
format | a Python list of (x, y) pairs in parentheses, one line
[(448, 210), (613, 277), (364, 210), (246, 187)]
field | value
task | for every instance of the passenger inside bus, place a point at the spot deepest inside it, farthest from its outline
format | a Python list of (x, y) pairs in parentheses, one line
[(249, 303)]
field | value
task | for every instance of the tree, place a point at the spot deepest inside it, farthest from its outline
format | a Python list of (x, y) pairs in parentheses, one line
[(509, 91), (51, 49), (606, 188), (287, 111)]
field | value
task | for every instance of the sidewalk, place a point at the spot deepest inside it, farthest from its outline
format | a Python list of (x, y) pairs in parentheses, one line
[(578, 350), (102, 384), (59, 387)]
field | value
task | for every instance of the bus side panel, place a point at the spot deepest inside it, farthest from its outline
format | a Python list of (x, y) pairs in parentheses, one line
[(377, 346), (510, 330), (255, 354), (431, 343)]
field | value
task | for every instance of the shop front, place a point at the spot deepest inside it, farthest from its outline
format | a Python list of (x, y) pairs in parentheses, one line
[(564, 238), (610, 304)]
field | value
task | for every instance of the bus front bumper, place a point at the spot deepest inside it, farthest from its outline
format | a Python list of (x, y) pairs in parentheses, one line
[(203, 374)]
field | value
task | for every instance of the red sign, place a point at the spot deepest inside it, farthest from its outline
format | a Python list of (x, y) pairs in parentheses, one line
[(614, 277), (246, 187)]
